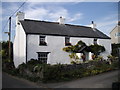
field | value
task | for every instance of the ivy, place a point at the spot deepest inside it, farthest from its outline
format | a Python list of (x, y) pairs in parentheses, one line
[(97, 49), (74, 56), (81, 47), (75, 48)]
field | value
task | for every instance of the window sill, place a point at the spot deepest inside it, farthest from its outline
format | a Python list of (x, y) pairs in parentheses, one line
[(42, 45)]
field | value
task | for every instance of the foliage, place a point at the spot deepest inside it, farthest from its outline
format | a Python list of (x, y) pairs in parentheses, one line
[(110, 57), (68, 49), (5, 50), (74, 56), (81, 47), (99, 58), (7, 64), (75, 48), (37, 72), (97, 49)]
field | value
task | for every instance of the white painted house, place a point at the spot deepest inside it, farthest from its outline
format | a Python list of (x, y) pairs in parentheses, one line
[(44, 40)]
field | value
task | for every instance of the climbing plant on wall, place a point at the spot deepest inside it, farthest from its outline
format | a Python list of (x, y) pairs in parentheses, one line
[(75, 48), (97, 49), (81, 46)]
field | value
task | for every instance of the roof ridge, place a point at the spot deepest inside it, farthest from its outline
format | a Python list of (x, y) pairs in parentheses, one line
[(39, 21)]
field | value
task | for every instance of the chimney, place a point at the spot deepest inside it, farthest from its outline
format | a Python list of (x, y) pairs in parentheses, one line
[(20, 16), (61, 20), (93, 25)]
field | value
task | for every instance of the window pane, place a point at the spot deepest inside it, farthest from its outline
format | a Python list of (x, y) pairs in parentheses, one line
[(42, 57), (95, 41), (67, 39), (42, 40)]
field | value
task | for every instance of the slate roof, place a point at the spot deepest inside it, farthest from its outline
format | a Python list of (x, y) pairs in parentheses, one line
[(54, 28)]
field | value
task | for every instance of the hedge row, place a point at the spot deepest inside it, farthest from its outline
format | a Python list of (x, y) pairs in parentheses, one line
[(37, 72)]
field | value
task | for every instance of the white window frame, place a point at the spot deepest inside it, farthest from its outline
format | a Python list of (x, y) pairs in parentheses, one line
[(43, 57), (67, 40), (42, 38)]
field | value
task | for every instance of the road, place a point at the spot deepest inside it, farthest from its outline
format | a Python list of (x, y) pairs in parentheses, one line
[(98, 81)]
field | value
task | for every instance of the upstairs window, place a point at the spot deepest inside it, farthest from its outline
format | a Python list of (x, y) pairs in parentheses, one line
[(42, 40), (43, 56), (95, 41), (117, 34), (67, 41)]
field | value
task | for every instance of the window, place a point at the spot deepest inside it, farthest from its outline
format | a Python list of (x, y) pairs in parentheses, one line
[(117, 34), (42, 40), (95, 41), (67, 41), (42, 56)]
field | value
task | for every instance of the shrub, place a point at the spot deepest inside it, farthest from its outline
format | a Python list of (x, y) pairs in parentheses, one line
[(97, 49), (7, 64), (61, 72)]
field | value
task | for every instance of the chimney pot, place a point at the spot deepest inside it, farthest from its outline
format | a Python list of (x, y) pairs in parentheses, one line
[(92, 22), (61, 20), (93, 25)]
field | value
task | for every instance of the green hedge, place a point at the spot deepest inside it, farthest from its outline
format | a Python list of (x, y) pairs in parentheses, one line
[(61, 72)]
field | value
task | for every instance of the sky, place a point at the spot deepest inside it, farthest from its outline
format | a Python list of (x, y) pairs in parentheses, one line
[(104, 14)]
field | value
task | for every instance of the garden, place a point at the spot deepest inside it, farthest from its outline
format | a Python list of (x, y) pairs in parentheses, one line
[(36, 71)]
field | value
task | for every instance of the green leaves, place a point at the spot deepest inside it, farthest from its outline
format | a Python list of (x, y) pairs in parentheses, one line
[(81, 47), (96, 49), (75, 48)]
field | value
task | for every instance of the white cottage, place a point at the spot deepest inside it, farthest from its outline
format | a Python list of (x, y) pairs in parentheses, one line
[(43, 40)]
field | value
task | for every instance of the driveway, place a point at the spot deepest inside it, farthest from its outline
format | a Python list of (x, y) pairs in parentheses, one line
[(98, 81)]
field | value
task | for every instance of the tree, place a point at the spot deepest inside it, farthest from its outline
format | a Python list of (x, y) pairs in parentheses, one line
[(97, 49), (80, 47), (75, 48), (4, 52)]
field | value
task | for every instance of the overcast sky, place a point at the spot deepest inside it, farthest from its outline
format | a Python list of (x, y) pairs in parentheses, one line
[(104, 14)]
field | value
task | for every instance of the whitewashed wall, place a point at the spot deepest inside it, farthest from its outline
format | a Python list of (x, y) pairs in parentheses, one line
[(19, 46), (55, 45), (107, 44)]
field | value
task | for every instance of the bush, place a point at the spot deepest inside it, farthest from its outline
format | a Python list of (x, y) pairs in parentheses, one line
[(7, 64), (61, 72)]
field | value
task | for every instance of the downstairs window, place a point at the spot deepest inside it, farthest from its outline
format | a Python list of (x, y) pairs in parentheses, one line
[(43, 56)]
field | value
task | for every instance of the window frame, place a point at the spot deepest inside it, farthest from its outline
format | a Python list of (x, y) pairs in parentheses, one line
[(117, 34), (95, 41), (67, 41), (42, 40), (43, 56)]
